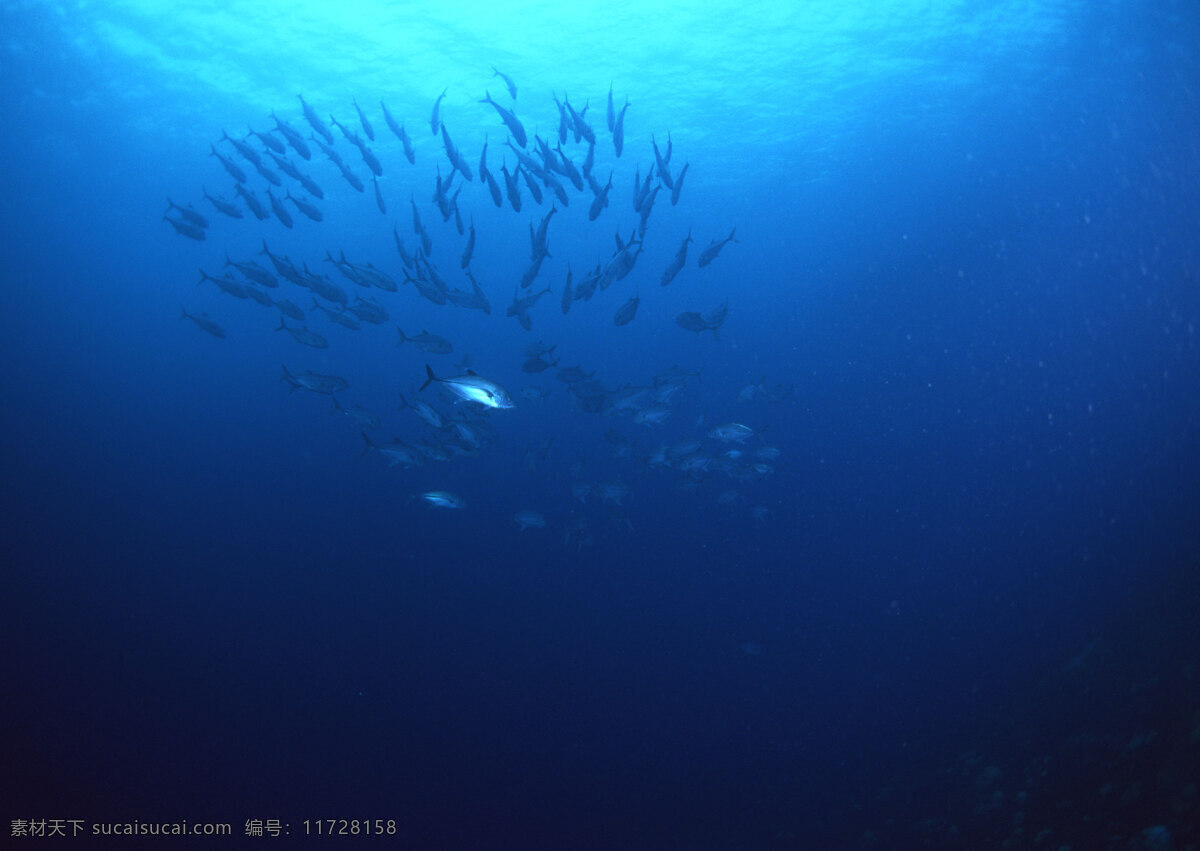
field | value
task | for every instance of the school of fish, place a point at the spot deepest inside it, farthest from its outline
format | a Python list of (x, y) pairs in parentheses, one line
[(455, 411)]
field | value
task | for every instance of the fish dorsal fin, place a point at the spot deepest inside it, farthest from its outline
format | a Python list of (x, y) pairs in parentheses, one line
[(472, 372)]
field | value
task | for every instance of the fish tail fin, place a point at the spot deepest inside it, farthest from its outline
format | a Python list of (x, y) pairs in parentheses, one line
[(265, 250), (403, 403), (282, 326), (403, 339), (367, 440), (731, 233), (183, 314), (432, 377)]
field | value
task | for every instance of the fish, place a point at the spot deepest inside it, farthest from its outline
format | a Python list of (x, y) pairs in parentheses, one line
[(401, 134), (520, 307), (379, 196), (249, 154), (256, 207), (537, 240), (304, 336), (642, 191), (314, 382), (469, 251), (691, 321), (678, 184), (563, 121), (189, 215), (187, 229), (678, 263), (600, 201), (664, 171), (435, 120), (527, 518), (714, 248), (611, 116), (454, 155), (362, 119), (512, 87), (589, 161), (536, 350), (371, 160), (349, 134), (280, 211), (204, 323), (443, 499), (427, 413), (293, 137), (431, 344), (259, 296), (358, 415), (368, 310), (587, 287), (534, 394), (532, 272), (391, 122), (479, 299), (230, 166), (254, 272), (226, 285), (731, 433), (332, 155), (510, 120), (310, 186), (289, 309), (419, 229), (286, 166), (472, 388), (305, 207), (531, 165), (511, 187), (536, 365), (652, 416), (483, 169), (534, 189), (430, 290), (618, 133), (396, 452), (342, 317), (612, 491), (270, 176), (494, 189), (627, 311), (559, 192), (582, 129), (566, 294), (572, 375), (351, 177), (569, 170), (325, 289), (314, 121)]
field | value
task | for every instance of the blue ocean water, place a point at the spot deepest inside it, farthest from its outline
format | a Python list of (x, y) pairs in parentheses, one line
[(943, 596)]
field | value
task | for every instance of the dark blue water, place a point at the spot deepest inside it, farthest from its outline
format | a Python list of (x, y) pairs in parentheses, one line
[(956, 610)]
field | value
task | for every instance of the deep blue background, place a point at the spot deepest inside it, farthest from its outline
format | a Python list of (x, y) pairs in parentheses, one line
[(969, 617)]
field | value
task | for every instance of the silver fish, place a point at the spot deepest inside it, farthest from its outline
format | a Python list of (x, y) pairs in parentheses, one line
[(473, 388)]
